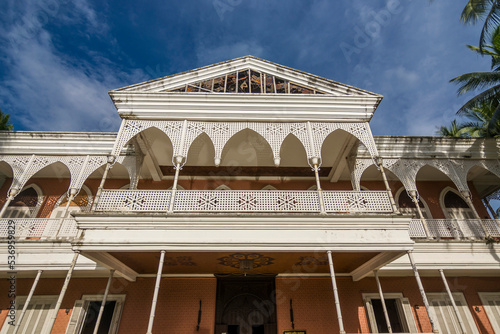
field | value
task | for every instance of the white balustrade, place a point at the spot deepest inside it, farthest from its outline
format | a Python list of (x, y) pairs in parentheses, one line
[(454, 228), (37, 228), (243, 201)]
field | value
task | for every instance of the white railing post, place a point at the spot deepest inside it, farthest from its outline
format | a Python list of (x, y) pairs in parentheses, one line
[(335, 293), (422, 291), (155, 293), (455, 308), (26, 303), (109, 164), (414, 197), (468, 199), (387, 187)]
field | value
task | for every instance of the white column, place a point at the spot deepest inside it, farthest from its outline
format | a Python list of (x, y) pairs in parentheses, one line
[(72, 193), (382, 300), (63, 291), (335, 293), (26, 303), (111, 159), (414, 198), (314, 162), (468, 199), (103, 302), (422, 292), (178, 161), (455, 308), (155, 294)]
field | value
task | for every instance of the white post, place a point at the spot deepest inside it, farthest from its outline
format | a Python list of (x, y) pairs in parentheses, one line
[(103, 303), (178, 161), (455, 308), (422, 292), (111, 159), (387, 187), (315, 162), (335, 293), (414, 198), (63, 290), (468, 199), (26, 303), (72, 193), (12, 195), (382, 300), (155, 294)]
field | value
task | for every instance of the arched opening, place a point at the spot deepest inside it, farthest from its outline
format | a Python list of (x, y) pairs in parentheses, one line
[(335, 150), (372, 179), (222, 187), (407, 206), (247, 148), (430, 183), (5, 177), (293, 153), (26, 204), (118, 177), (454, 205), (487, 187), (201, 152), (269, 187)]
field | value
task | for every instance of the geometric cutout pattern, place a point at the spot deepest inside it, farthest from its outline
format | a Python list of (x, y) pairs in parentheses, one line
[(235, 260)]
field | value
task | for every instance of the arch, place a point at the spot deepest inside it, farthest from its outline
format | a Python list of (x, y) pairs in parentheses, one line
[(292, 144), (81, 203), (269, 187), (6, 172), (406, 204), (118, 171), (201, 152), (223, 187), (26, 204), (335, 144), (454, 205), (250, 149)]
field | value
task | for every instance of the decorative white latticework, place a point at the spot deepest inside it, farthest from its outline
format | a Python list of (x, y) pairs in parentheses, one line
[(455, 228), (39, 228), (134, 200), (246, 201), (221, 132), (357, 201), (416, 229), (358, 168)]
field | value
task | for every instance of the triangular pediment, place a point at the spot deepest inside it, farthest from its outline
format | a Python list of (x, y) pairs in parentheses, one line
[(246, 75)]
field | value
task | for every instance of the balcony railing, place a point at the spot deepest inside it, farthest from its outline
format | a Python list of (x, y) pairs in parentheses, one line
[(201, 201), (455, 228), (38, 228)]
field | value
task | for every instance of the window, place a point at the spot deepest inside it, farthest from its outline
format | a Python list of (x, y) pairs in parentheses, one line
[(84, 316), (445, 317), (398, 308), (406, 205), (26, 204), (455, 206), (491, 303), (37, 316)]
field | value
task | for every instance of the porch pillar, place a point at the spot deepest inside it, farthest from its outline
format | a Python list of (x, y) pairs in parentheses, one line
[(314, 162), (382, 300), (63, 290), (455, 308), (414, 198), (72, 193), (178, 161), (468, 199), (103, 303), (422, 291), (26, 303), (335, 293), (155, 294)]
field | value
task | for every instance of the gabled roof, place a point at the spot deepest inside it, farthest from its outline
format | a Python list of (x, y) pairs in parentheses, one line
[(265, 77)]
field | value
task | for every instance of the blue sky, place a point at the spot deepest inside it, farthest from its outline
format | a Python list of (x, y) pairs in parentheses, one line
[(59, 58)]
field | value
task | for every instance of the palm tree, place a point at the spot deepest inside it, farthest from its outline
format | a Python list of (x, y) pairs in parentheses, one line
[(476, 10), (490, 81), (454, 130), (4, 122)]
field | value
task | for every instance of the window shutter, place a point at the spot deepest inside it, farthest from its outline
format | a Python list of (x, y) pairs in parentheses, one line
[(75, 317), (491, 303)]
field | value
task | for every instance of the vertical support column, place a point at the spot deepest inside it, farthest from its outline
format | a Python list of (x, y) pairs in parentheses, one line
[(335, 293), (468, 199), (382, 300), (72, 193), (455, 308), (155, 294), (314, 162), (414, 198), (63, 291), (109, 164), (103, 303), (387, 187), (26, 303), (422, 292), (178, 161)]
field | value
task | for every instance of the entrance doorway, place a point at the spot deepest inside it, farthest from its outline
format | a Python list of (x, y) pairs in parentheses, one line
[(245, 305)]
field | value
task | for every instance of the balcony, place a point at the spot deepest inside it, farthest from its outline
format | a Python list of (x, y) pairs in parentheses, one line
[(244, 201), (38, 228), (458, 229)]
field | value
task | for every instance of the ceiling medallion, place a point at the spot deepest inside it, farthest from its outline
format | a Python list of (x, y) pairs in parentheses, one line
[(245, 261)]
